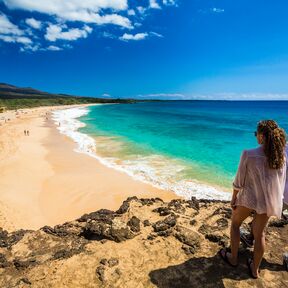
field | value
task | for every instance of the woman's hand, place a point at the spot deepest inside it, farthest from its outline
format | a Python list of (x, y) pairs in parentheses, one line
[(233, 203)]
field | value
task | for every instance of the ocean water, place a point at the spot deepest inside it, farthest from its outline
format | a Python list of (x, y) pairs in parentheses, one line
[(189, 147)]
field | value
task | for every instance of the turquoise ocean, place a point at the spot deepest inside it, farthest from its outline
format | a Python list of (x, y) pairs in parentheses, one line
[(190, 147)]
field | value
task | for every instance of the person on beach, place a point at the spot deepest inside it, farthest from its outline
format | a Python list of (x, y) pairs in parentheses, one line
[(25, 132), (258, 188)]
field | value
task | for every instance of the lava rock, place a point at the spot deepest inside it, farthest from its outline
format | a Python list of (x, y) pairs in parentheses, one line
[(193, 203), (113, 262), (146, 223), (278, 223), (3, 261), (188, 237), (100, 272), (176, 205), (188, 249), (226, 212), (167, 223), (19, 264), (134, 224), (126, 205), (163, 211), (64, 254), (222, 223), (216, 238)]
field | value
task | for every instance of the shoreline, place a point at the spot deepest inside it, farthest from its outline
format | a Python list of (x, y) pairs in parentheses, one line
[(88, 145), (44, 182)]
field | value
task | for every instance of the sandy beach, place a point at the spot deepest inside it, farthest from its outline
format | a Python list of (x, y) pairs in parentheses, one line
[(43, 181)]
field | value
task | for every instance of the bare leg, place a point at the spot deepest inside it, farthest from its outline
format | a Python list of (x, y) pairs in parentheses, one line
[(238, 216), (259, 225)]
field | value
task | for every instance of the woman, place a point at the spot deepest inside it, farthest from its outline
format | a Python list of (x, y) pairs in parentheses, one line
[(258, 187)]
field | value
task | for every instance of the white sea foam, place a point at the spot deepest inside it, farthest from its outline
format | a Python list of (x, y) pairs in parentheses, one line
[(140, 168)]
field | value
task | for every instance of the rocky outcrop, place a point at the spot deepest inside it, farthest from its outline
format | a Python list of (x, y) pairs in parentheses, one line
[(145, 242)]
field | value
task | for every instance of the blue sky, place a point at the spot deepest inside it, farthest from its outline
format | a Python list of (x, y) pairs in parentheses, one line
[(169, 49)]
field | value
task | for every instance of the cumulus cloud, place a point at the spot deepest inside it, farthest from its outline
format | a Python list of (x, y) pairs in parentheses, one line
[(15, 39), (135, 37), (11, 33), (139, 36), (33, 23), (54, 48), (64, 19), (7, 27), (74, 10), (154, 4), (55, 32)]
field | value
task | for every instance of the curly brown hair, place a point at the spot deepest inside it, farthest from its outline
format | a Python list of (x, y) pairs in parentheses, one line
[(274, 142)]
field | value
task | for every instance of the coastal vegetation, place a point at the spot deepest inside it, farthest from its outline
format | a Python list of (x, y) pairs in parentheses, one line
[(12, 97)]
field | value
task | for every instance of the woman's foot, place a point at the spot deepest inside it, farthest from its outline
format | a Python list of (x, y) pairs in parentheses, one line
[(252, 271), (227, 257)]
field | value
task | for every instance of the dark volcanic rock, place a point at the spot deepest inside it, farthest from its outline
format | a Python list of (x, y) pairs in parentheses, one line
[(3, 261), (216, 238), (226, 212), (193, 222), (146, 223), (115, 230), (278, 223), (165, 224), (7, 240), (104, 261), (176, 205), (66, 229), (205, 229), (102, 214), (4, 239), (163, 211), (188, 249), (188, 236), (125, 205), (113, 262), (134, 224), (222, 223), (64, 254), (193, 203), (100, 273), (19, 264), (25, 281)]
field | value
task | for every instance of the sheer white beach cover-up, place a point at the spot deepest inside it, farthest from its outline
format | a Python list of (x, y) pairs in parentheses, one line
[(260, 188)]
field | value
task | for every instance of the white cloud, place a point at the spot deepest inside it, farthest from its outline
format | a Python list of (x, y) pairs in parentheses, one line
[(55, 32), (74, 10), (141, 9), (106, 95), (170, 2), (131, 12), (7, 27), (33, 23), (156, 34), (136, 37), (217, 10), (54, 48), (15, 39), (154, 5), (11, 33)]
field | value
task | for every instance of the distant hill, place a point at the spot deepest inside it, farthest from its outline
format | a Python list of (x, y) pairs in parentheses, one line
[(13, 97)]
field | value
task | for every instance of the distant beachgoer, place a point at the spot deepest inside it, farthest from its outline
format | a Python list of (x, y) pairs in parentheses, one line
[(25, 132), (258, 188)]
